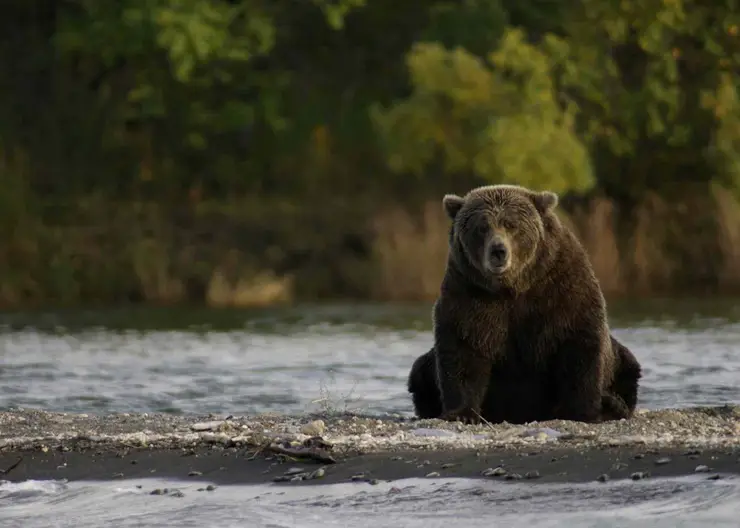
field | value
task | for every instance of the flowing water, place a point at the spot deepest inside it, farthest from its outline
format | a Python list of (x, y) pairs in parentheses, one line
[(339, 357)]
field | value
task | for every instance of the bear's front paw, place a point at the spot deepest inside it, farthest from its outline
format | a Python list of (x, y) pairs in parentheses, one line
[(466, 415)]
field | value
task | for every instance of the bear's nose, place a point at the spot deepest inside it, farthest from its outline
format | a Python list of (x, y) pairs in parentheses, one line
[(498, 253)]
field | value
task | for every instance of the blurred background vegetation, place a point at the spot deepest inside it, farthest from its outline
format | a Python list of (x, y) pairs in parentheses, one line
[(259, 151)]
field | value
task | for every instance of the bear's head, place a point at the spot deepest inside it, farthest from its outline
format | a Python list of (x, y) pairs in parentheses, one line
[(498, 230)]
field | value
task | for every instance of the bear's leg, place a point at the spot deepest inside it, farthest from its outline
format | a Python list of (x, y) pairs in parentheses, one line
[(422, 384), (578, 377), (627, 375), (464, 378)]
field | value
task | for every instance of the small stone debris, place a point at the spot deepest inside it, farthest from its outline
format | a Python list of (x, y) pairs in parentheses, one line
[(532, 474), (294, 471), (195, 474), (639, 456), (639, 475), (603, 477), (315, 428), (373, 482), (177, 493), (701, 469), (662, 461), (714, 477), (433, 474), (513, 476), (158, 491), (117, 475), (358, 477), (494, 472), (448, 465), (207, 426)]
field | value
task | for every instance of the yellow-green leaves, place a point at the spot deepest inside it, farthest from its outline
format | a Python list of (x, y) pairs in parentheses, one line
[(499, 118)]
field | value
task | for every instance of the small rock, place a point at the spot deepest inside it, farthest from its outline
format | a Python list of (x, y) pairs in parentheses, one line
[(317, 474), (619, 465), (662, 461), (448, 465), (701, 469), (639, 475), (294, 471), (513, 476), (494, 472), (157, 491), (532, 474), (207, 426), (432, 474), (210, 487), (117, 475), (315, 428), (359, 476), (373, 482), (714, 477), (638, 456), (603, 477), (177, 493), (195, 474)]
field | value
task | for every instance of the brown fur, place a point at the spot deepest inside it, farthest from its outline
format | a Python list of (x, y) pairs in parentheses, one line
[(527, 339)]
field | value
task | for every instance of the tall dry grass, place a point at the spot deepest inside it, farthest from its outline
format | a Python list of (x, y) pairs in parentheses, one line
[(660, 247), (410, 252), (728, 219)]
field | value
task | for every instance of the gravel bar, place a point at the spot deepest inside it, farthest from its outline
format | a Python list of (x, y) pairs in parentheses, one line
[(331, 448)]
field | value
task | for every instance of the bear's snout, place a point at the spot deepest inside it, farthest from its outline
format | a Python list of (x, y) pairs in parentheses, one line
[(496, 255)]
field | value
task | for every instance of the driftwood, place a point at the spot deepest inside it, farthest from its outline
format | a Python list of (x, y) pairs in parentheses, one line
[(315, 448)]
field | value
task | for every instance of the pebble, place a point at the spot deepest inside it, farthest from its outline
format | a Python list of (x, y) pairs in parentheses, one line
[(639, 475), (701, 469), (494, 472), (432, 474), (294, 471), (207, 426), (662, 461), (513, 476), (177, 493), (532, 474), (714, 477), (195, 474), (603, 477), (317, 474), (448, 465), (315, 428)]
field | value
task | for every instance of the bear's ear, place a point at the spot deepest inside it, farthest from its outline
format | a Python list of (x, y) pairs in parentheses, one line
[(545, 201), (452, 204)]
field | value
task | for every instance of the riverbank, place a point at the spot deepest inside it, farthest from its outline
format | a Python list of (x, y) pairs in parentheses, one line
[(325, 449)]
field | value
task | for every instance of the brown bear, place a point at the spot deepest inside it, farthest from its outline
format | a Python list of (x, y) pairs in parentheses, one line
[(520, 327)]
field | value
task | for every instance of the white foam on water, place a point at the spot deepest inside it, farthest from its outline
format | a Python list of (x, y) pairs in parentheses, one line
[(409, 503)]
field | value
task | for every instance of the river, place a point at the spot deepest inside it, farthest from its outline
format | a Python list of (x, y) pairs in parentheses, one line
[(336, 357)]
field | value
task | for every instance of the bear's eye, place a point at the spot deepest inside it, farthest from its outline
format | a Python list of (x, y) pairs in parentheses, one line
[(508, 223)]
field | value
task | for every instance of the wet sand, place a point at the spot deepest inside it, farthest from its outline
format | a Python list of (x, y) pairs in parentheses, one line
[(223, 450), (231, 466)]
